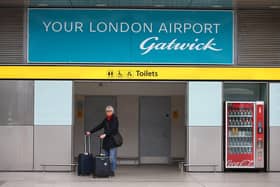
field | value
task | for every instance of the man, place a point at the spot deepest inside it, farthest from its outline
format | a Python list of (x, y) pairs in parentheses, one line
[(111, 127)]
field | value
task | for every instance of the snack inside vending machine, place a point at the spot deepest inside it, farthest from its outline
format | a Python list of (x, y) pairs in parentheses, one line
[(244, 135)]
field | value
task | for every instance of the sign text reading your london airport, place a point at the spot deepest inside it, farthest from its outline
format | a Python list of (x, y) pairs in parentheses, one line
[(151, 43), (115, 36)]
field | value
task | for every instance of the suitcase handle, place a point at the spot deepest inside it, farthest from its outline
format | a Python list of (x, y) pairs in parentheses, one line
[(100, 145), (87, 142)]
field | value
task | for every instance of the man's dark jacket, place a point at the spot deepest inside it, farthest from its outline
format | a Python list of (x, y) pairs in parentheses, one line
[(111, 127)]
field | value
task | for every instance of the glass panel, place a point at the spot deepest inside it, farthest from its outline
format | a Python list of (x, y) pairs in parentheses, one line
[(245, 91), (16, 102), (205, 104), (240, 123), (53, 103)]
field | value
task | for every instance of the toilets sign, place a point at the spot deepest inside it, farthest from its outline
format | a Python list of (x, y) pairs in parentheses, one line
[(130, 36)]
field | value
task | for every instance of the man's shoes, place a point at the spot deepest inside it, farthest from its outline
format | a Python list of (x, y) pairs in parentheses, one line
[(112, 174)]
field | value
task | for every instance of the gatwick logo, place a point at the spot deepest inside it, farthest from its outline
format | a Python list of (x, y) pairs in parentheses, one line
[(154, 44)]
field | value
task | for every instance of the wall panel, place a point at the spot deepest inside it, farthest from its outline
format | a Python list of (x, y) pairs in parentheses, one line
[(11, 35), (258, 38)]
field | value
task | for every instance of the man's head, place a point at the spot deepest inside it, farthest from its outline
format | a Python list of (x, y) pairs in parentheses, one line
[(109, 111)]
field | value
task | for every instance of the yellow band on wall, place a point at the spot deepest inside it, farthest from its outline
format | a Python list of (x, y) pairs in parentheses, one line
[(138, 73)]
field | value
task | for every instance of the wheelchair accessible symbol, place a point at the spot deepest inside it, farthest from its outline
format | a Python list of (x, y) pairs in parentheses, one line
[(119, 74)]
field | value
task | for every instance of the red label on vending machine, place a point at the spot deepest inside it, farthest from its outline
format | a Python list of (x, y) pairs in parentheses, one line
[(259, 129)]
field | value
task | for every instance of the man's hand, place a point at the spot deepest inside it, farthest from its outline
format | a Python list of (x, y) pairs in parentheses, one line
[(87, 133), (102, 136)]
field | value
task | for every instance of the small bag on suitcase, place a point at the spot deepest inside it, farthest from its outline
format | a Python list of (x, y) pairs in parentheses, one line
[(85, 160), (102, 166)]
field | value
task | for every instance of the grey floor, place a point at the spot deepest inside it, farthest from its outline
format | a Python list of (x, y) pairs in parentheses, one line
[(152, 176)]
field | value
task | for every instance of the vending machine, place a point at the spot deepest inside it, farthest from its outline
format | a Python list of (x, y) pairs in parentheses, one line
[(244, 135)]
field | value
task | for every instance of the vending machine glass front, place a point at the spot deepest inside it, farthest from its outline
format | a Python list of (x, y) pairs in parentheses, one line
[(240, 141)]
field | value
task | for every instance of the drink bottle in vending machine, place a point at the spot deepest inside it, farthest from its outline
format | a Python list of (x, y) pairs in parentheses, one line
[(244, 130)]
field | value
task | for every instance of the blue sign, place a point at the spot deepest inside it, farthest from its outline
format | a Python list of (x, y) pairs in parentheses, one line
[(130, 36)]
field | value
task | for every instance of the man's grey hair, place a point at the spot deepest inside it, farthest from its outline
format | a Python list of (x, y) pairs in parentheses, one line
[(109, 107)]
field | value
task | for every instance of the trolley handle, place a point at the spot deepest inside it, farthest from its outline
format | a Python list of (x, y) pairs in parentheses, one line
[(100, 146), (87, 142)]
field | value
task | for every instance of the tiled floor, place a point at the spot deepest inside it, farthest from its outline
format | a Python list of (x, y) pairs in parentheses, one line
[(159, 176)]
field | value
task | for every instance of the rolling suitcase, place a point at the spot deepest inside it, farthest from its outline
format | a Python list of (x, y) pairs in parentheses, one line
[(102, 166), (85, 160)]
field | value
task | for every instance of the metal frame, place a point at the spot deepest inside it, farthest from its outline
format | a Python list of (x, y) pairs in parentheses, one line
[(267, 138), (234, 39), (25, 33), (73, 122), (139, 129), (187, 146), (222, 130)]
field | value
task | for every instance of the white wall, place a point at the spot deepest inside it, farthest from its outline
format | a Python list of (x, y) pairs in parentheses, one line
[(274, 127), (274, 151), (78, 135), (53, 101), (205, 147), (205, 113), (129, 126), (16, 145), (178, 137), (52, 145), (205, 99)]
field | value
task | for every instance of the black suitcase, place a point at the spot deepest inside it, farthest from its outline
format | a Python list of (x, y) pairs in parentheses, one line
[(85, 160), (102, 166)]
